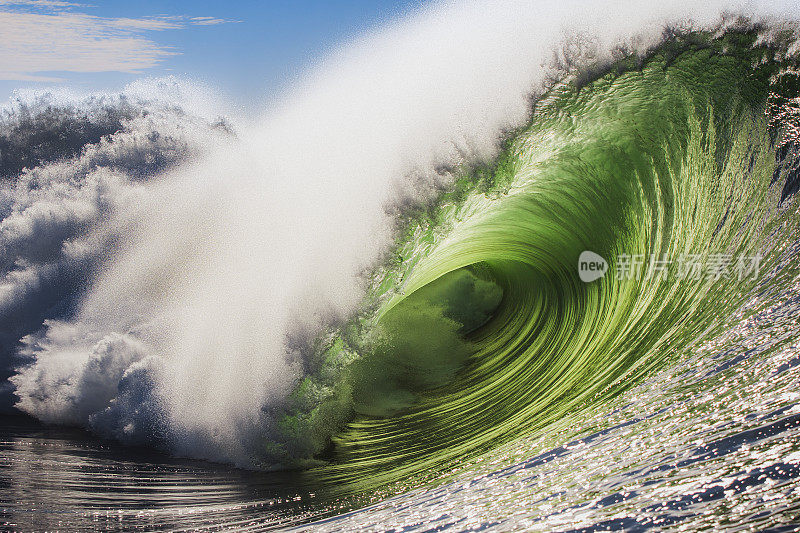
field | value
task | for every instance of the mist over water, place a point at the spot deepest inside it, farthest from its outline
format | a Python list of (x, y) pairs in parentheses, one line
[(157, 263)]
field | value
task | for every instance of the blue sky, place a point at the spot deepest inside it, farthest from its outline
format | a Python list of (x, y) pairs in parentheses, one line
[(247, 49)]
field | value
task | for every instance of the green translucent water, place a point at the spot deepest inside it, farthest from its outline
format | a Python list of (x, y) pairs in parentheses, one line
[(483, 333)]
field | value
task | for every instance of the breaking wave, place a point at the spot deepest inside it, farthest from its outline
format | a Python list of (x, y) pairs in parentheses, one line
[(377, 277)]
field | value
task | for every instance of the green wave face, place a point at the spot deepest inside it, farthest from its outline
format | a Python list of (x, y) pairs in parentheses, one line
[(483, 332)]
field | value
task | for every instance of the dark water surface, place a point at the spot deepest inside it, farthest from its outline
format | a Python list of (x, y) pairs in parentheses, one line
[(54, 478)]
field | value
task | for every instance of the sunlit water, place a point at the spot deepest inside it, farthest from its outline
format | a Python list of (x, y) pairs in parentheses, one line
[(66, 480), (713, 442)]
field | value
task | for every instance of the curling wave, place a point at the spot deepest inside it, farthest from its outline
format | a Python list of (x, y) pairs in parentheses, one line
[(174, 280), (483, 330)]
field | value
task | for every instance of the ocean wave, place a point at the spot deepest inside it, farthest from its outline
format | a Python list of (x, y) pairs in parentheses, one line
[(378, 277)]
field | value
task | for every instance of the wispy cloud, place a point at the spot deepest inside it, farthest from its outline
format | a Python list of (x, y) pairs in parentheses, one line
[(42, 4), (42, 36), (207, 21)]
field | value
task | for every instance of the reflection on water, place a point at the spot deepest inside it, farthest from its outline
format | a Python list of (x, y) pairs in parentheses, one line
[(56, 478)]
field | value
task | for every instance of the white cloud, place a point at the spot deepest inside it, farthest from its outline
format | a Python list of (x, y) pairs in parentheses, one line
[(208, 21), (45, 4), (42, 36)]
